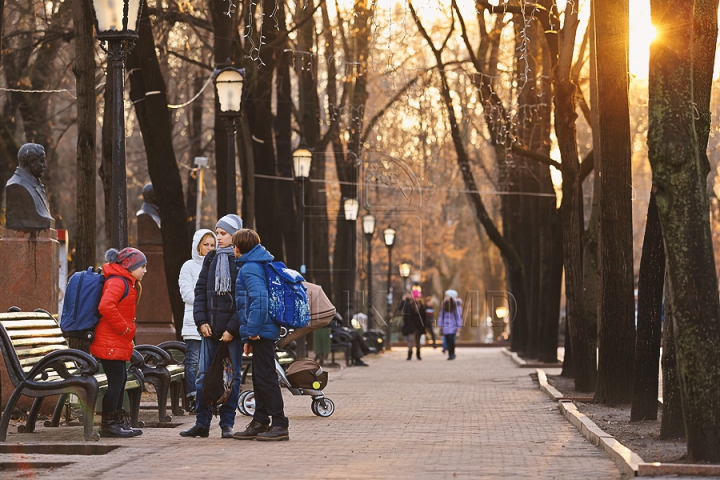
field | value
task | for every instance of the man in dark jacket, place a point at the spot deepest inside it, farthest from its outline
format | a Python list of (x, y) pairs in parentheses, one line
[(259, 333), (217, 321)]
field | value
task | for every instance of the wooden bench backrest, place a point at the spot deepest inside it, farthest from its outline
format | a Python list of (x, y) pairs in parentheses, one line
[(31, 335)]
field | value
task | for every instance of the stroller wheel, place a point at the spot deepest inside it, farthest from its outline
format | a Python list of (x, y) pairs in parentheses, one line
[(248, 403), (323, 410), (241, 402)]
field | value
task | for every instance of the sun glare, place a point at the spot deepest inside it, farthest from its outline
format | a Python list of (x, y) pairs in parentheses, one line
[(642, 33)]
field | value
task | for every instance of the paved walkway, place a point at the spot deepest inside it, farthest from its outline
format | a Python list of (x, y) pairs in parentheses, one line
[(476, 417)]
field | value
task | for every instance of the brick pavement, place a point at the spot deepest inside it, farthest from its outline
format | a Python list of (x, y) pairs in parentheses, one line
[(476, 417)]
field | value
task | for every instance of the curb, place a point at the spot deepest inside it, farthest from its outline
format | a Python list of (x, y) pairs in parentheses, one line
[(628, 462), (522, 363)]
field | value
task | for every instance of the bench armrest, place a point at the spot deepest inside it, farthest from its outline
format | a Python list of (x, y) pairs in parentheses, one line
[(154, 356), (174, 346), (85, 362)]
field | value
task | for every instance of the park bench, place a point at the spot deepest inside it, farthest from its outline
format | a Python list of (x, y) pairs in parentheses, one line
[(164, 369), (40, 364)]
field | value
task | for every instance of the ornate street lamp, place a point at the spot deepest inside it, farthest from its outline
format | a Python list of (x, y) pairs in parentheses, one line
[(302, 159), (389, 237), (116, 27), (368, 225), (350, 208), (229, 88)]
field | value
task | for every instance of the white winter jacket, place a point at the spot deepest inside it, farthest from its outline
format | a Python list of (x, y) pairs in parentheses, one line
[(188, 278)]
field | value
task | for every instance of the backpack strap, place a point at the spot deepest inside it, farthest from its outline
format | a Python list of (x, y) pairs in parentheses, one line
[(127, 285)]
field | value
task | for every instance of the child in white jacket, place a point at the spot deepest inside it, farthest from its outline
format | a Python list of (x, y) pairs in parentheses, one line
[(204, 240)]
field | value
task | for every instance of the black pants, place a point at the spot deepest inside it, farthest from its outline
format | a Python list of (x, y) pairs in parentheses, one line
[(116, 377), (359, 345), (268, 397)]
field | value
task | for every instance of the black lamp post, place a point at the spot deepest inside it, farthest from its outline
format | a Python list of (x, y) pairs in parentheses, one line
[(116, 27), (302, 159), (389, 236), (350, 207), (368, 224), (229, 88)]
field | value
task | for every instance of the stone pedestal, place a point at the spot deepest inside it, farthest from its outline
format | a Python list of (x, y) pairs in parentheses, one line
[(154, 315), (30, 269), (29, 280)]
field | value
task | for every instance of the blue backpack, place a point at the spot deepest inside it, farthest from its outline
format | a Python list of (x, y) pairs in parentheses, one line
[(80, 308), (288, 303)]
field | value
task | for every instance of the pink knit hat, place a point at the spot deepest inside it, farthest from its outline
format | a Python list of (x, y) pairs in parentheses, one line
[(416, 294), (129, 258)]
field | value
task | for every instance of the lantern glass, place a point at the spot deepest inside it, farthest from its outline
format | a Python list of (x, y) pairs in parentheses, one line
[(351, 207), (501, 312), (229, 86), (368, 224), (415, 278), (405, 270), (389, 235), (109, 15), (302, 159)]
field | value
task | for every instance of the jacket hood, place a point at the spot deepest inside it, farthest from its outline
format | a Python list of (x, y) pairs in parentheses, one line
[(116, 269), (257, 254), (196, 241)]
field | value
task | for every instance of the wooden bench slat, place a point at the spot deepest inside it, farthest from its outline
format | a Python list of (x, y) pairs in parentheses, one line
[(39, 341), (43, 322), (46, 332), (28, 352)]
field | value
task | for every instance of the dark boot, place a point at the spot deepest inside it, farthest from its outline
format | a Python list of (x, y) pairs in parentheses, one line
[(418, 354), (273, 434), (251, 431), (110, 428), (409, 354), (123, 419), (196, 431)]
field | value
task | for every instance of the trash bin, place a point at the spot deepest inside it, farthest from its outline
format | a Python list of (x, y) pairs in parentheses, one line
[(321, 341)]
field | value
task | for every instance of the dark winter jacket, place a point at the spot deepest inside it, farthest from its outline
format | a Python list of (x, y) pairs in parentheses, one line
[(116, 328), (218, 311), (251, 296), (413, 317)]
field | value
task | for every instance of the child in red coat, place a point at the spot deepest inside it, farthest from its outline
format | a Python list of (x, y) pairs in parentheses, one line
[(113, 343)]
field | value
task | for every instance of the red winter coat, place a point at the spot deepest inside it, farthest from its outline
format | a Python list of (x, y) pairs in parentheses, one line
[(115, 331)]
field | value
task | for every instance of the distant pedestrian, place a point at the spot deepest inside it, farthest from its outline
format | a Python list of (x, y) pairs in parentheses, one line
[(203, 242), (113, 343), (216, 318), (414, 322), (259, 333), (430, 318), (450, 320)]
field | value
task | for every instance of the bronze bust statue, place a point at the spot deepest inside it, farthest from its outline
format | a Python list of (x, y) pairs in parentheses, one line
[(149, 207), (26, 202)]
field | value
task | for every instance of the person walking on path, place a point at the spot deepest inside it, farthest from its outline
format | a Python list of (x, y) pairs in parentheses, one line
[(259, 332), (450, 320), (203, 242), (414, 321), (113, 343), (430, 319), (217, 320)]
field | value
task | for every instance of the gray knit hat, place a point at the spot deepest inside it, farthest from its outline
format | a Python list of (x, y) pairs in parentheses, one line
[(230, 223)]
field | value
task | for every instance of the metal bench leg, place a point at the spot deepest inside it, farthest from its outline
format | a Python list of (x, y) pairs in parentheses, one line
[(5, 420), (57, 412), (29, 426), (177, 388), (134, 398), (88, 400), (162, 385)]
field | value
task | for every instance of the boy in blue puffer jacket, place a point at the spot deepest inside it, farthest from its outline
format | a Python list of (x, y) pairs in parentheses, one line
[(259, 333)]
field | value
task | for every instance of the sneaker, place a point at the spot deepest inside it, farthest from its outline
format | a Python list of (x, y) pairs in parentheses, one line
[(251, 431), (274, 434)]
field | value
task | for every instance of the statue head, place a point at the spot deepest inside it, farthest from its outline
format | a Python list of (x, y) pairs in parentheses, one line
[(31, 157), (148, 193)]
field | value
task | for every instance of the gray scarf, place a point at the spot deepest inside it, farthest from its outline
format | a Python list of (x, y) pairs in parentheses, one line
[(223, 282)]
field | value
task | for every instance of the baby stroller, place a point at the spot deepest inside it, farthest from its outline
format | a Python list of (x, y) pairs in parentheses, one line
[(303, 377)]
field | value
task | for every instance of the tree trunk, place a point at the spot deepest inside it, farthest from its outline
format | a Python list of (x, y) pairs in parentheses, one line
[(196, 150), (154, 119), (551, 288), (650, 297), (680, 174), (84, 70), (672, 425), (616, 336)]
